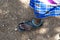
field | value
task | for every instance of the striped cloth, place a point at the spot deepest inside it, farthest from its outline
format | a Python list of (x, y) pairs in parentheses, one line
[(41, 9)]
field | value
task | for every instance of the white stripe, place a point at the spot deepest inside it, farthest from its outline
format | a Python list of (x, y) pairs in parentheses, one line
[(57, 1), (47, 3)]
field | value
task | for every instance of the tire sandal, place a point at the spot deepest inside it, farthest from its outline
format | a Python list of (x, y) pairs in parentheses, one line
[(28, 25)]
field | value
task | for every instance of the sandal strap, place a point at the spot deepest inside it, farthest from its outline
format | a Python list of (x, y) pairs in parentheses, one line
[(37, 25), (32, 23)]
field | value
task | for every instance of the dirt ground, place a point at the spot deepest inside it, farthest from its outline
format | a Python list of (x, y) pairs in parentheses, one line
[(12, 12)]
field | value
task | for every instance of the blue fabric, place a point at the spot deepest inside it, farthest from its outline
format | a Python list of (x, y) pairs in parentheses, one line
[(40, 9)]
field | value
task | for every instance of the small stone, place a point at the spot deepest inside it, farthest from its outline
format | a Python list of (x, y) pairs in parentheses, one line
[(3, 25), (43, 30), (28, 39), (48, 36), (8, 28), (15, 29), (5, 12), (57, 37), (15, 39)]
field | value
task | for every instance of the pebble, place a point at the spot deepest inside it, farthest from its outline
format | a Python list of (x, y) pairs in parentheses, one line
[(15, 29), (28, 39), (57, 36)]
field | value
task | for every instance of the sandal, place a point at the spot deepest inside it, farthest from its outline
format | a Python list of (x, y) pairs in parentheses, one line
[(28, 25)]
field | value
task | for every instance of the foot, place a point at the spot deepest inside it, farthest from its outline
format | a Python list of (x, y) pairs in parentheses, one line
[(30, 24)]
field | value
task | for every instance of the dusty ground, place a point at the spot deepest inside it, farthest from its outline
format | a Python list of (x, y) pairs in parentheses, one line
[(12, 12)]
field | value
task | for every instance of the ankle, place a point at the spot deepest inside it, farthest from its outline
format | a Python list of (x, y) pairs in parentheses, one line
[(37, 21)]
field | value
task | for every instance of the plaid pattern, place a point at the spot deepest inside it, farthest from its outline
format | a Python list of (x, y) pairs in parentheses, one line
[(40, 9)]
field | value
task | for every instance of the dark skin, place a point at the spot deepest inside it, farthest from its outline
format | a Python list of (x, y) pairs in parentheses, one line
[(37, 21)]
